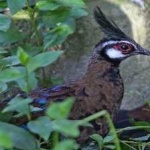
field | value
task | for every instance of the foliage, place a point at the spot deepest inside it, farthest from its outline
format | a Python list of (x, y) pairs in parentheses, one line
[(23, 53)]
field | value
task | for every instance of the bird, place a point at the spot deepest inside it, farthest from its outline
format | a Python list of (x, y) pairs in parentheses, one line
[(101, 87)]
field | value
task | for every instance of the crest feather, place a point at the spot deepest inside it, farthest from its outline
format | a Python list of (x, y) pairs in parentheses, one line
[(108, 26)]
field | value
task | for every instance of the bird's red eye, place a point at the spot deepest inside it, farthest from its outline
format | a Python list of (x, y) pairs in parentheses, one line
[(124, 48)]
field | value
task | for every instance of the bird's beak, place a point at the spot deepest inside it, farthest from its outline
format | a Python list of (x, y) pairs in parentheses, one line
[(142, 51), (145, 52)]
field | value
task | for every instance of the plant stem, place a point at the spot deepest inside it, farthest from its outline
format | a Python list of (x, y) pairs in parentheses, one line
[(110, 123), (29, 117), (27, 82), (133, 128), (128, 145), (44, 77), (37, 35), (55, 139)]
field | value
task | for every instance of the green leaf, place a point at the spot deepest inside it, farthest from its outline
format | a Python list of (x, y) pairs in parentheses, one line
[(3, 51), (4, 22), (142, 138), (99, 139), (16, 5), (56, 80), (60, 110), (66, 145), (10, 61), (10, 36), (111, 147), (42, 59), (10, 74), (1, 148), (142, 123), (52, 18), (3, 87), (20, 138), (108, 139), (47, 5), (66, 127), (72, 3), (41, 126), (28, 84), (5, 117), (3, 4), (5, 140), (19, 104), (57, 35), (22, 56), (78, 12), (61, 15)]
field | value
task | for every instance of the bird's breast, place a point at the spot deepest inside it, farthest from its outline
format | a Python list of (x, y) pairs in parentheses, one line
[(99, 91)]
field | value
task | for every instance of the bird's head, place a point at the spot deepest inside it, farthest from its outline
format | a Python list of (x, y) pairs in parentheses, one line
[(117, 45)]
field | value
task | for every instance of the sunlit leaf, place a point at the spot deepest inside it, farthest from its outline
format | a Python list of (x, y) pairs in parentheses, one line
[(22, 56), (5, 140)]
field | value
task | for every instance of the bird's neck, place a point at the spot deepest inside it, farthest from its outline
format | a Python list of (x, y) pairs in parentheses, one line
[(100, 66), (101, 73)]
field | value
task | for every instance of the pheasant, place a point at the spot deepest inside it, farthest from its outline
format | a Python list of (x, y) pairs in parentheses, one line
[(101, 87)]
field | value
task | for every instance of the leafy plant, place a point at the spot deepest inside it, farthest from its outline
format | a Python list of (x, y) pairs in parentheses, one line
[(23, 53)]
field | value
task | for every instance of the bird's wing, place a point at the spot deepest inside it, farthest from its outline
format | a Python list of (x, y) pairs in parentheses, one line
[(41, 99)]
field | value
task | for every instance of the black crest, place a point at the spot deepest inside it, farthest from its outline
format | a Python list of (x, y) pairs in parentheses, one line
[(108, 26)]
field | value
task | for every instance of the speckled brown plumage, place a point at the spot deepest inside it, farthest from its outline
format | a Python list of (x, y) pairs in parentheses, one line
[(101, 88)]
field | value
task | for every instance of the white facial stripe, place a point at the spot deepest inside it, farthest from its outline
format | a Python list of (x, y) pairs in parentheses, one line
[(115, 42), (113, 53)]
